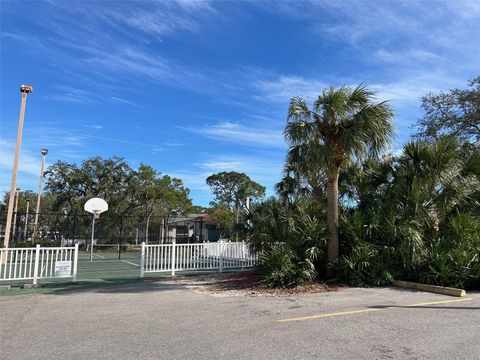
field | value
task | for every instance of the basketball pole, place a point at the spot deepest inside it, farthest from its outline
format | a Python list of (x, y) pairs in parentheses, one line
[(95, 206), (91, 242)]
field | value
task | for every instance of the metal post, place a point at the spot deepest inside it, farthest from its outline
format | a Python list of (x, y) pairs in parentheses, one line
[(75, 263), (120, 239), (26, 222), (17, 193), (174, 255), (142, 261), (44, 153), (24, 89), (35, 269), (91, 242)]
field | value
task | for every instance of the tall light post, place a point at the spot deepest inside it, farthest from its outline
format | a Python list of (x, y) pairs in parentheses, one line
[(26, 221), (44, 153), (24, 89), (17, 191)]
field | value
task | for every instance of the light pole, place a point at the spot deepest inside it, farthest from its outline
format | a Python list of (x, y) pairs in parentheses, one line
[(26, 221), (24, 89), (17, 191), (44, 153)]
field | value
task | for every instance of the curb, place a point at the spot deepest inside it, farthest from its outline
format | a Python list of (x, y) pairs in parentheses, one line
[(430, 288)]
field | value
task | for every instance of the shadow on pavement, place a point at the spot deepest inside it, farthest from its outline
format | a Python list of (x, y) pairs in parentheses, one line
[(105, 285)]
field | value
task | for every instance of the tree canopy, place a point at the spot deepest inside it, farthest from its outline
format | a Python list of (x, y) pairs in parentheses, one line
[(231, 189), (456, 112)]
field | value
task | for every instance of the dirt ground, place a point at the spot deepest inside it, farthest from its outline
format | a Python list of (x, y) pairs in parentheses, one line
[(248, 284)]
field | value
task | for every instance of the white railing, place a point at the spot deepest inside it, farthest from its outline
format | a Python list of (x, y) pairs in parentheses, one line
[(38, 263), (186, 257)]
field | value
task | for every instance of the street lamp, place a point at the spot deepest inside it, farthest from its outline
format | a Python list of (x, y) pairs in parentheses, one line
[(17, 191), (24, 89), (44, 153)]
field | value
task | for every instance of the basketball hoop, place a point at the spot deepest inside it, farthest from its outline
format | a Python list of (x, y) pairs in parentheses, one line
[(95, 206)]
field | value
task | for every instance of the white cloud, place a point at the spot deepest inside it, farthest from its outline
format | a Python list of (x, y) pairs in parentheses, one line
[(407, 57), (283, 88), (120, 100), (408, 88), (28, 167), (241, 134), (71, 94), (94, 126)]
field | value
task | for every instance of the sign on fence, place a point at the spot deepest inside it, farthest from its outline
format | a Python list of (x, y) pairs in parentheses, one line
[(63, 269)]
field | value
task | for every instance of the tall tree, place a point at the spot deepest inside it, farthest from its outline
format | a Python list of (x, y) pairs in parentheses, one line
[(231, 189), (160, 195), (73, 185), (456, 112), (343, 124)]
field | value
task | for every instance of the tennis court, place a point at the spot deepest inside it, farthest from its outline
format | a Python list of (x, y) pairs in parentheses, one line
[(109, 262)]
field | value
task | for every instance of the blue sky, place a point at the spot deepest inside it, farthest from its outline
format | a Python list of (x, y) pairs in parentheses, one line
[(193, 88)]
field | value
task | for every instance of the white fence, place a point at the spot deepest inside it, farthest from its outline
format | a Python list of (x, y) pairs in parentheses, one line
[(38, 263), (187, 257)]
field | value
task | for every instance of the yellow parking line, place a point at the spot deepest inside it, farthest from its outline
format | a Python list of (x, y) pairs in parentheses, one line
[(341, 313), (436, 302)]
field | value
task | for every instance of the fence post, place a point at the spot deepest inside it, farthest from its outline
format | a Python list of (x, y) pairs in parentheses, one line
[(174, 256), (243, 254), (75, 262), (221, 256), (142, 261), (35, 269)]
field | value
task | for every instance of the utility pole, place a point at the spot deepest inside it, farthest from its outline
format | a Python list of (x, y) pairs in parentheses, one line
[(24, 89), (15, 212), (44, 153)]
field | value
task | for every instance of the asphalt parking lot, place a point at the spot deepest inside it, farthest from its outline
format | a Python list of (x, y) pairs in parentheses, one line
[(165, 320)]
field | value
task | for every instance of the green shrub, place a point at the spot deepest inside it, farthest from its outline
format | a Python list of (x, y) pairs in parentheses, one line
[(366, 264), (457, 268), (281, 268)]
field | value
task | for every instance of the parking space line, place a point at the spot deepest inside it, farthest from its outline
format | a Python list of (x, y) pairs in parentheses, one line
[(341, 313)]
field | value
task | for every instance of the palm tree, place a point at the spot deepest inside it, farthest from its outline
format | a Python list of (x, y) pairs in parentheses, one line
[(344, 124)]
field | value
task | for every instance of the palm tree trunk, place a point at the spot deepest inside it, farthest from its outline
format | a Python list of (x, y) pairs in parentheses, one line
[(332, 215)]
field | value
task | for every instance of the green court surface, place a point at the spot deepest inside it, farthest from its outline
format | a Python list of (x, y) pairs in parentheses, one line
[(107, 265)]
